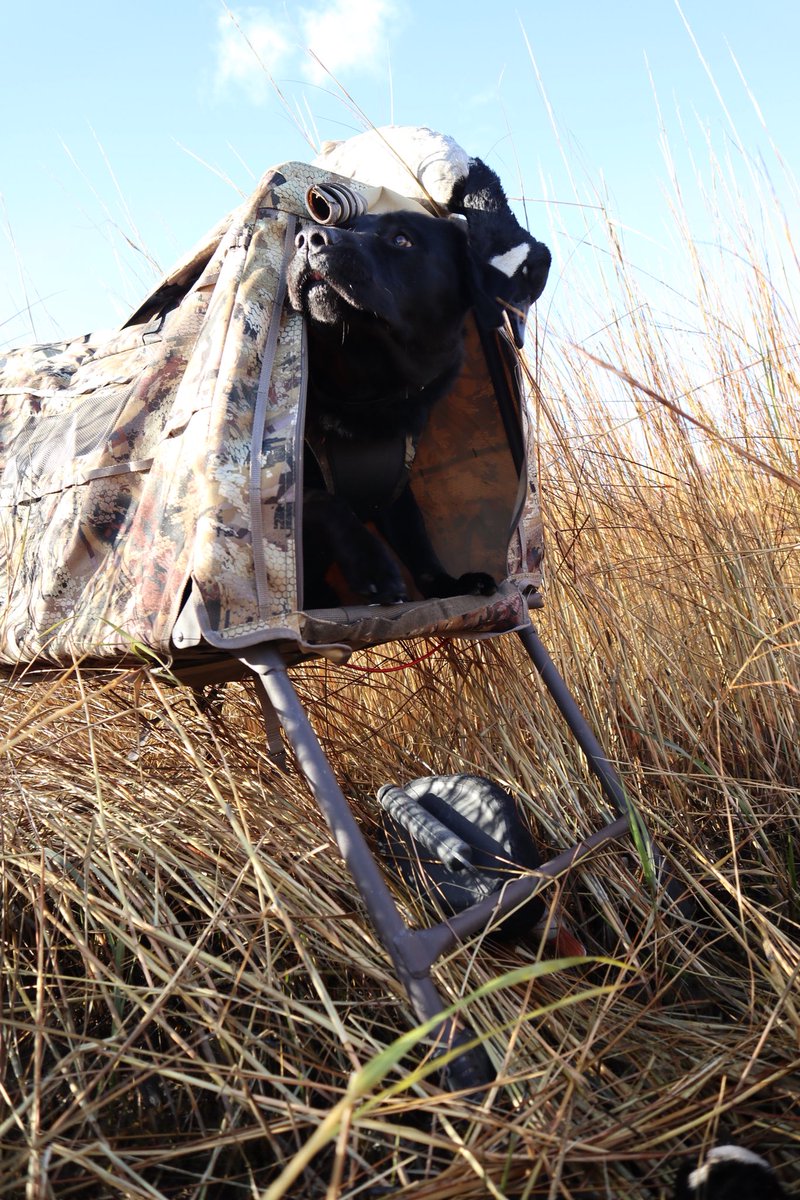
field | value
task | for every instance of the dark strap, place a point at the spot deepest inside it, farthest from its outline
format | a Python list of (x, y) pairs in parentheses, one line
[(504, 372), (368, 474)]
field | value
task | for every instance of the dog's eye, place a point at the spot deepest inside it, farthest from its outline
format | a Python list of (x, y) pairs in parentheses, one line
[(401, 240)]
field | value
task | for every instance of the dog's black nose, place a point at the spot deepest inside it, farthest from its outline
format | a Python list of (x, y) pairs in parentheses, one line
[(315, 238)]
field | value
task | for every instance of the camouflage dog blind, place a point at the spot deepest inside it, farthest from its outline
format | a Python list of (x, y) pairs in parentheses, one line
[(151, 479)]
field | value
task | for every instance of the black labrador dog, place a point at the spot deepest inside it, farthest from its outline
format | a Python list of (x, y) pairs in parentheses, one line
[(385, 302)]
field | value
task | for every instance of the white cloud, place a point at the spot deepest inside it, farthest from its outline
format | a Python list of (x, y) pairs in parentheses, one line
[(252, 44), (336, 36), (347, 35)]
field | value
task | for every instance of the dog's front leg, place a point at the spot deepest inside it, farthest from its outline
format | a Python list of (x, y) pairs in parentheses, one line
[(332, 533), (403, 526)]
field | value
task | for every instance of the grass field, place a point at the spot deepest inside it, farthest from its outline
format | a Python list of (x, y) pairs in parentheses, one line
[(193, 1002)]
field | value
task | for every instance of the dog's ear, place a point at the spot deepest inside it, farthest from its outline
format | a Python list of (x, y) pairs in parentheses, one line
[(471, 272), (484, 298)]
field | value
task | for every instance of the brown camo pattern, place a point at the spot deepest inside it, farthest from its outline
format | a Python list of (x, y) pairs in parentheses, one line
[(162, 461)]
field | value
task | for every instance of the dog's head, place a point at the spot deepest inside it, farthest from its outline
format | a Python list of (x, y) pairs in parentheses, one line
[(386, 297), (404, 269)]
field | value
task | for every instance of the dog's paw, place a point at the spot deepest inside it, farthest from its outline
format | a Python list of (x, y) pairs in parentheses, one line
[(476, 583), (393, 594), (376, 576), (442, 585)]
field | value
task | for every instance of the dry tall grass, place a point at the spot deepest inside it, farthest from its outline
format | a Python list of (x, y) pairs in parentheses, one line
[(193, 1002)]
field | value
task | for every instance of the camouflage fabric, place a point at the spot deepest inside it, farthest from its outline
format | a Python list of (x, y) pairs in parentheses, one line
[(149, 479)]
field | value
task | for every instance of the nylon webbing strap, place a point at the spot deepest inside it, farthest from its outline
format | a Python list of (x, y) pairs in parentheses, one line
[(369, 474)]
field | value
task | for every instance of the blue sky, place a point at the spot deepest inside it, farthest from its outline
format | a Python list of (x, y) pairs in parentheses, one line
[(126, 129)]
